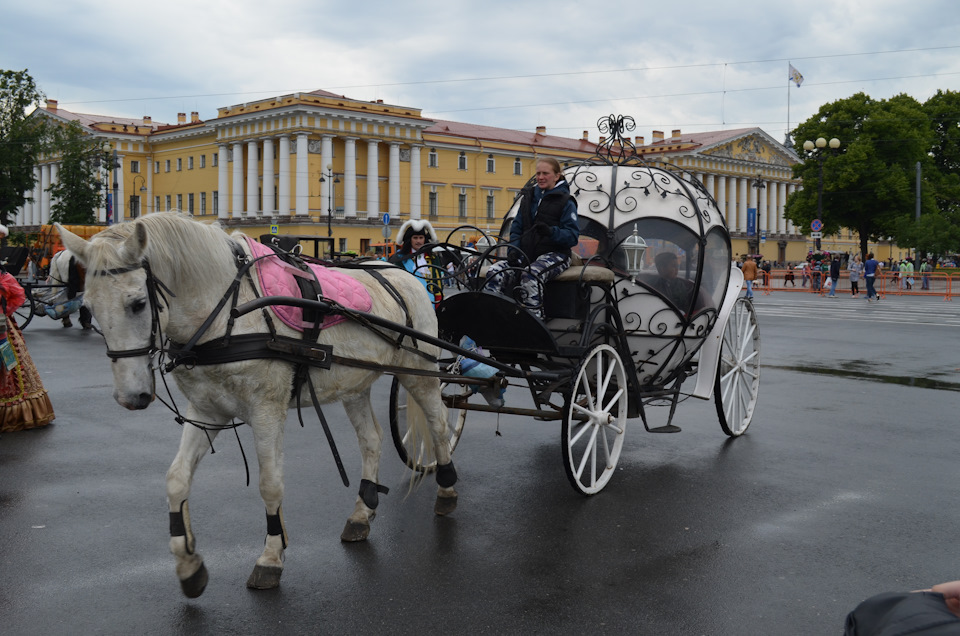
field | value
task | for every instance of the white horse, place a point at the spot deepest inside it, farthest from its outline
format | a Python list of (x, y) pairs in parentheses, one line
[(162, 276)]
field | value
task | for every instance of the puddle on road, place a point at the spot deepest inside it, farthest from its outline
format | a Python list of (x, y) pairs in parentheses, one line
[(855, 370)]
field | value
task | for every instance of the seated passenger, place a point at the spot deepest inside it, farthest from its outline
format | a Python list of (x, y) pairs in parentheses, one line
[(542, 233), (675, 289)]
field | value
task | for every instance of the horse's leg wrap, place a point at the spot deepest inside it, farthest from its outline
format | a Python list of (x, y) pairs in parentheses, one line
[(275, 527), (181, 538), (180, 527), (446, 475), (266, 576), (368, 492)]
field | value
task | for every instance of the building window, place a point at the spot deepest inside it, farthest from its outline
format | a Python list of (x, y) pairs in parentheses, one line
[(343, 245), (433, 207), (168, 203), (156, 203), (491, 167), (203, 203), (462, 205), (179, 164), (156, 167), (166, 167), (190, 202), (432, 159), (517, 167), (190, 163), (180, 202), (134, 167), (491, 206), (214, 160), (203, 161), (134, 206), (216, 199), (462, 161)]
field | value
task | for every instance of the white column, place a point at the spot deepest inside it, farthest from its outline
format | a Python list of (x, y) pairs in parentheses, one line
[(147, 206), (350, 177), (743, 198), (236, 197), (393, 184), (28, 207), (722, 199), (373, 179), (781, 207), (283, 188), (415, 210), (762, 209), (253, 190), (37, 196), (708, 185), (302, 187), (44, 195), (326, 159), (54, 179), (223, 179), (791, 228), (269, 205)]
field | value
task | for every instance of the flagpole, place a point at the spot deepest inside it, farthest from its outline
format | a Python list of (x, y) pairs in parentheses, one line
[(787, 136)]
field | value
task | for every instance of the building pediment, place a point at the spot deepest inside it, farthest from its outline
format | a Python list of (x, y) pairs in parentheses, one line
[(753, 148)]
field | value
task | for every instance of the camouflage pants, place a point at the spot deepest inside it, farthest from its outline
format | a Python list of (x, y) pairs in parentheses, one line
[(502, 278)]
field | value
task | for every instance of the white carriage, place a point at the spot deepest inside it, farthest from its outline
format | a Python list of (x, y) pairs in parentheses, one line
[(619, 334)]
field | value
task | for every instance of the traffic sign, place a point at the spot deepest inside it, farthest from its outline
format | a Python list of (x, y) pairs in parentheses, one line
[(385, 231), (816, 225), (816, 235), (386, 218), (274, 229)]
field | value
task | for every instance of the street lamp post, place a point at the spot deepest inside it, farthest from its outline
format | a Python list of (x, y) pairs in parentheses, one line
[(329, 178), (135, 198), (759, 185), (817, 149)]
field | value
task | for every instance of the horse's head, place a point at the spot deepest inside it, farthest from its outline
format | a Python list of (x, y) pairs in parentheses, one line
[(123, 298)]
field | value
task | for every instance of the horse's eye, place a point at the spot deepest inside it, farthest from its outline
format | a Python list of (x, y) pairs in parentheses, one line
[(138, 306)]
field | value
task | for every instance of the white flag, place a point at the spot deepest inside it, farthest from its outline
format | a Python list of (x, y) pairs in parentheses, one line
[(795, 76)]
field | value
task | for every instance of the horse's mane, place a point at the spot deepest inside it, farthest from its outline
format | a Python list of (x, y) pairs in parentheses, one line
[(183, 252)]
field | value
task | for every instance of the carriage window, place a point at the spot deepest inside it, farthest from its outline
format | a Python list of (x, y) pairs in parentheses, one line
[(671, 262)]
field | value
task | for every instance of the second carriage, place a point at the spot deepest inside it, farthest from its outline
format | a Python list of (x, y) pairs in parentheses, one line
[(649, 305)]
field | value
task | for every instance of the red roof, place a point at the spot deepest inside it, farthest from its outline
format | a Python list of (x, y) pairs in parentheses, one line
[(507, 135)]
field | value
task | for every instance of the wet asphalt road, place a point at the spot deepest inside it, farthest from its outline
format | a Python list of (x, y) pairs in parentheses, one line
[(845, 485)]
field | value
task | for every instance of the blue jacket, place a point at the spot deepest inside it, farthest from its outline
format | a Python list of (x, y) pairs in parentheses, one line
[(565, 231)]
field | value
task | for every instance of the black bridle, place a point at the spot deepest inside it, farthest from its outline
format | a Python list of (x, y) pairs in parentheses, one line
[(156, 291)]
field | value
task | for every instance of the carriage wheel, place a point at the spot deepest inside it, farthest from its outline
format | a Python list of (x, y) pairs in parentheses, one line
[(738, 374), (399, 430), (594, 420), (24, 313)]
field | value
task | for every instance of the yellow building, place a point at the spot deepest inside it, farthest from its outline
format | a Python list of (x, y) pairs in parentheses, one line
[(312, 163)]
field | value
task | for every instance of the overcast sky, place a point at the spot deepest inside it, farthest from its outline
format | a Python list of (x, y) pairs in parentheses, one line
[(695, 65)]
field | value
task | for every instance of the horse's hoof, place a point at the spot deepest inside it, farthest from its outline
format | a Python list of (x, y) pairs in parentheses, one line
[(445, 505), (196, 583), (355, 531), (264, 577)]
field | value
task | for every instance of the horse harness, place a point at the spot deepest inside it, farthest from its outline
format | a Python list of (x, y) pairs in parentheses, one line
[(304, 353)]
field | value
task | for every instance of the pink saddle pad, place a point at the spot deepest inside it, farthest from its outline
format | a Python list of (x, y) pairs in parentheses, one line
[(277, 279)]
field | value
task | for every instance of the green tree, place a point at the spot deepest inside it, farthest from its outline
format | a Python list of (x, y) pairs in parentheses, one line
[(868, 183), (78, 191), (21, 139), (943, 109)]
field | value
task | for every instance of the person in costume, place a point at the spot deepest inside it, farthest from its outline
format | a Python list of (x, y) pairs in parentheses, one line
[(411, 237), (24, 402)]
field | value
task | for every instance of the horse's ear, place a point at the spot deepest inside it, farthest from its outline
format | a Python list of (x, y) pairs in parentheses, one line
[(135, 244), (72, 242)]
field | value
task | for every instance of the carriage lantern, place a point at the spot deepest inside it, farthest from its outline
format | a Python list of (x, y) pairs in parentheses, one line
[(633, 247)]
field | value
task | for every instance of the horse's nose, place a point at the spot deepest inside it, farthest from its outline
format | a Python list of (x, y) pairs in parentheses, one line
[(134, 403)]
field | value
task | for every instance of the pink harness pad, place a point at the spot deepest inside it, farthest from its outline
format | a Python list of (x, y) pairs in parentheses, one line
[(277, 279)]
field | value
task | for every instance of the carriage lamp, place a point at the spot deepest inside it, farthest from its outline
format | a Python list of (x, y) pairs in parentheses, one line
[(633, 247)]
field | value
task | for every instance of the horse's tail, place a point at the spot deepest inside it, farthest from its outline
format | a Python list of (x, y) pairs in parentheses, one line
[(420, 440)]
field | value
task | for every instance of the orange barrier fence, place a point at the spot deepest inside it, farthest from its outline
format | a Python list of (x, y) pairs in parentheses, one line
[(887, 283)]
